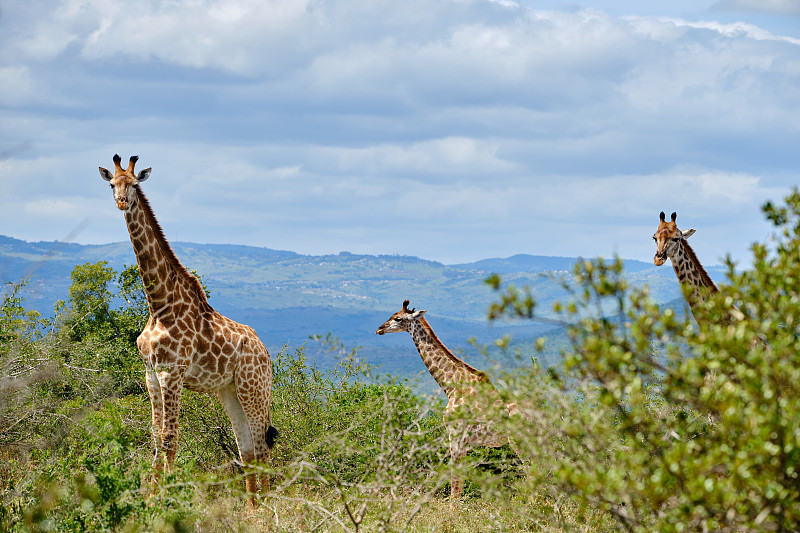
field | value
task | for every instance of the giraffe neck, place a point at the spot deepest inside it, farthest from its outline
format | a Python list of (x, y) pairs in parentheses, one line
[(162, 273), (692, 274), (446, 368)]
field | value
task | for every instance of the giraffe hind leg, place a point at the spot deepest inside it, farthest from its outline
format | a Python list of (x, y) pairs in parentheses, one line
[(244, 440), (255, 406), (270, 437)]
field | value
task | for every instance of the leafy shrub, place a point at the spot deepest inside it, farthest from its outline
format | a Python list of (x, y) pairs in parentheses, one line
[(667, 425)]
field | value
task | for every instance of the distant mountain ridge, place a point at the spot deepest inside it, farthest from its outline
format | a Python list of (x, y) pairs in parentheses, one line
[(288, 297), (537, 263)]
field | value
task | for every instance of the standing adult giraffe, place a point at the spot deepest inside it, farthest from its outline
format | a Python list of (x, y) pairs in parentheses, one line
[(671, 242), (463, 385), (187, 344)]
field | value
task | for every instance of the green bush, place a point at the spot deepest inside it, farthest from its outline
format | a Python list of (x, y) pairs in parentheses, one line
[(86, 435), (668, 425)]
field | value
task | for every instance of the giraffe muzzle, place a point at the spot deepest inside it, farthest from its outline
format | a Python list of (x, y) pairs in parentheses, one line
[(380, 331)]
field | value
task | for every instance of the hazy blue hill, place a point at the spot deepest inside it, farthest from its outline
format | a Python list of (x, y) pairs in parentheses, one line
[(393, 353), (288, 297), (237, 250), (295, 325), (537, 263)]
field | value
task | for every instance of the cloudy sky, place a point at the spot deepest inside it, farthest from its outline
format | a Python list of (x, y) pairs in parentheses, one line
[(453, 130)]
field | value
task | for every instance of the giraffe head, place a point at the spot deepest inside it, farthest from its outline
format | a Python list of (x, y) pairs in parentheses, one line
[(668, 237), (401, 320), (124, 182)]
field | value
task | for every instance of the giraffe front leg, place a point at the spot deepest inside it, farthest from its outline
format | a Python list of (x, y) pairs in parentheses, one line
[(156, 423), (171, 383), (457, 452)]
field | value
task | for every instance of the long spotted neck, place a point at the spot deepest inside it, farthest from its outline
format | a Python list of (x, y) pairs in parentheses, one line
[(446, 368), (163, 275), (692, 274)]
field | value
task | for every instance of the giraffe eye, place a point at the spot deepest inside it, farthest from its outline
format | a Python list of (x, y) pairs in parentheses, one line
[(675, 239)]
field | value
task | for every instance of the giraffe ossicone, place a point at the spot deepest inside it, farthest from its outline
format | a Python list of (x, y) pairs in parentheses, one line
[(186, 343), (465, 388)]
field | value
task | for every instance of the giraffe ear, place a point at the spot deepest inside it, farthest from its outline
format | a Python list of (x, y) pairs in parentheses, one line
[(105, 174), (418, 314), (687, 233), (143, 175)]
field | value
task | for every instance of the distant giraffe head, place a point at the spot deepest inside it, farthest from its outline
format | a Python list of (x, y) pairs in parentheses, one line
[(668, 238), (124, 182), (401, 320)]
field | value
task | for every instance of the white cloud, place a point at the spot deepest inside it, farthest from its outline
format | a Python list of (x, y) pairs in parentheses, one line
[(57, 208), (448, 156), (732, 30), (782, 7), (299, 124), (235, 35)]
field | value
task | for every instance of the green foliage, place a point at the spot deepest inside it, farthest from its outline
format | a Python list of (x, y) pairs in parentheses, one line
[(90, 297), (97, 484), (335, 416), (24, 369), (84, 422), (105, 314), (57, 375), (15, 321)]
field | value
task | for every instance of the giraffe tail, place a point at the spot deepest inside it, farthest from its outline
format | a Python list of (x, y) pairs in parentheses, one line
[(272, 434)]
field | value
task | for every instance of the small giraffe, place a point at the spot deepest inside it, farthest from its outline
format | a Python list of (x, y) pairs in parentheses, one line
[(461, 383), (187, 344)]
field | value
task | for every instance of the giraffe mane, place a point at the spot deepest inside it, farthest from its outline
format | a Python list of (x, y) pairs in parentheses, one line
[(482, 375), (703, 274), (169, 253)]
